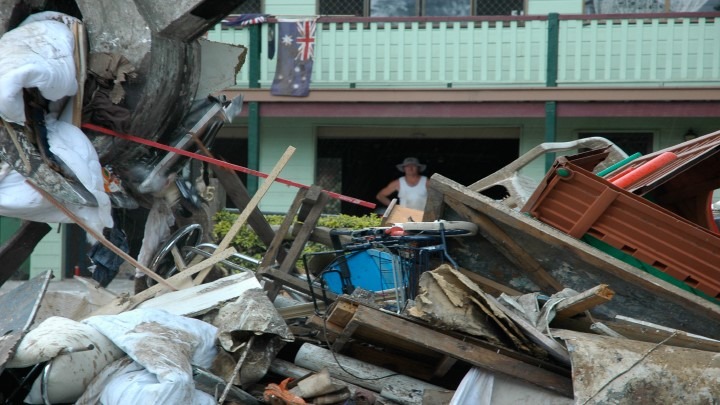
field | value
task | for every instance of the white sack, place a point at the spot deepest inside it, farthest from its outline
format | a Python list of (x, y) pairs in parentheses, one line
[(38, 53), (166, 346), (127, 382), (69, 373), (72, 146)]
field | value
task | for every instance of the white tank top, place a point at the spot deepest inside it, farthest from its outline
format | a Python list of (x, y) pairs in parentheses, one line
[(413, 196)]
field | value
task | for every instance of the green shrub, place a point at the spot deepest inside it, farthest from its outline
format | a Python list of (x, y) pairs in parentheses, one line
[(247, 242)]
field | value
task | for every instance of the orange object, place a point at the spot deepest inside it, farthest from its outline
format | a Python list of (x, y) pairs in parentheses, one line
[(645, 170), (278, 394)]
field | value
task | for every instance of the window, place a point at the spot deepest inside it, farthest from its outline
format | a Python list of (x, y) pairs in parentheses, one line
[(650, 6), (411, 8), (249, 7)]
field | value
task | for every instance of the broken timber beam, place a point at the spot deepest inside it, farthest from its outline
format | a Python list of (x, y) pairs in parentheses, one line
[(584, 301), (397, 328)]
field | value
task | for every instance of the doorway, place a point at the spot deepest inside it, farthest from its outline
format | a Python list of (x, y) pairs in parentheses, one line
[(361, 167)]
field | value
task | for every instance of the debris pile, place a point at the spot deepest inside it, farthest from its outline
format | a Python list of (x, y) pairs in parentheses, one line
[(504, 307)]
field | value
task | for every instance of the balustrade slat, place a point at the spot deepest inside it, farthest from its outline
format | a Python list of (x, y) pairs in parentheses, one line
[(513, 51), (639, 40), (484, 51), (386, 52), (684, 58), (498, 50), (319, 54), (456, 52), (700, 55), (623, 49), (360, 48), (716, 50), (593, 49), (401, 52), (578, 50), (373, 51), (529, 28), (608, 50), (442, 36), (470, 67), (415, 27), (428, 50), (332, 60), (654, 52), (669, 49), (346, 52)]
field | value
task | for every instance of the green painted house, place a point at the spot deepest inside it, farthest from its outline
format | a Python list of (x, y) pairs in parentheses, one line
[(467, 92)]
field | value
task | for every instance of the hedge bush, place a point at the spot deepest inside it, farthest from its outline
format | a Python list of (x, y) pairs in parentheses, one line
[(247, 242)]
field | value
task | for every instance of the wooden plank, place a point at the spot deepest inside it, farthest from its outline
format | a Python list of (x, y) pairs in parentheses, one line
[(444, 366), (401, 329), (487, 285), (200, 299), (400, 214), (127, 303), (278, 278), (345, 336), (271, 255), (329, 329), (507, 246), (650, 332), (342, 312), (300, 310), (584, 301)]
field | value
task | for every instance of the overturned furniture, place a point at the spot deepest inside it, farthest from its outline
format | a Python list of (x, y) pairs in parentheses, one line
[(553, 258)]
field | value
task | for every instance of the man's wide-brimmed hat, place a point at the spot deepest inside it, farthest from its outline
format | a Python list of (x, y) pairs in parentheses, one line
[(411, 161)]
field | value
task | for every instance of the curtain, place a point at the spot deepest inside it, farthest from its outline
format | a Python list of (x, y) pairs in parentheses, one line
[(686, 5), (645, 6), (628, 6)]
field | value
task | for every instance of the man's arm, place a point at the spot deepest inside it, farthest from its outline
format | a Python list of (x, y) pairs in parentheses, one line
[(383, 194)]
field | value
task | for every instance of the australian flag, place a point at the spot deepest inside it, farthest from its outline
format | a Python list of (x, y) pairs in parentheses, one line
[(295, 58)]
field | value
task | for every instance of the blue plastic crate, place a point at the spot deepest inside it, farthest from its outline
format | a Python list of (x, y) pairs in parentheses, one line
[(370, 269)]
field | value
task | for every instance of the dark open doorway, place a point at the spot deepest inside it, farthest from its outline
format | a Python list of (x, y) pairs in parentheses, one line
[(361, 167)]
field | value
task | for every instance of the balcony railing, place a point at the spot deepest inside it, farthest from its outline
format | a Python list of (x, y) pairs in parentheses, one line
[(473, 52)]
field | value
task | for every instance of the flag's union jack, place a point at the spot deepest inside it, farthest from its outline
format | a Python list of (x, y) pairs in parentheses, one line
[(305, 39)]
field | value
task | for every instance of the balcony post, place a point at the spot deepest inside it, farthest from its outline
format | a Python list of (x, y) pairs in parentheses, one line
[(552, 50), (254, 109), (550, 130), (551, 81)]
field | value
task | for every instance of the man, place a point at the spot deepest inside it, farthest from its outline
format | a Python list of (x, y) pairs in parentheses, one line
[(411, 188)]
